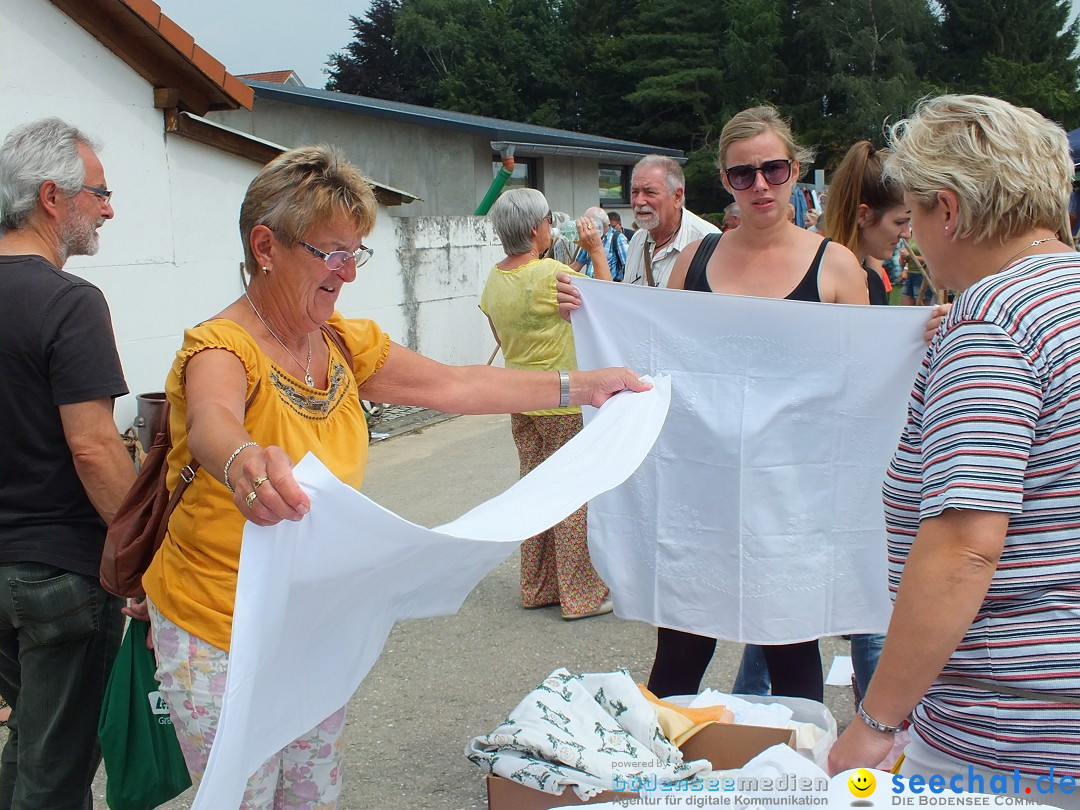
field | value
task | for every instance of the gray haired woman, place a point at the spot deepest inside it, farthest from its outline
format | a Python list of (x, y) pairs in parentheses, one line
[(520, 302)]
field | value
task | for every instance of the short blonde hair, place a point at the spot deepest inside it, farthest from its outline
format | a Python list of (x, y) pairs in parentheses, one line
[(301, 187), (755, 121), (1008, 166)]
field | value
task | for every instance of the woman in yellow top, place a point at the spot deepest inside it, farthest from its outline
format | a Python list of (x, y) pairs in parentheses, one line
[(519, 300), (275, 374)]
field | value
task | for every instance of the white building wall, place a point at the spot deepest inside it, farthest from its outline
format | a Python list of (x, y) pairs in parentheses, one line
[(171, 256)]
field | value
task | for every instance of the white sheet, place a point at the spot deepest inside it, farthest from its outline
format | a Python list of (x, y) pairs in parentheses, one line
[(316, 600), (757, 516)]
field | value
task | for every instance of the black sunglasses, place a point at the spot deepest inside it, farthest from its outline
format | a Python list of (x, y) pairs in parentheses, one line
[(775, 172)]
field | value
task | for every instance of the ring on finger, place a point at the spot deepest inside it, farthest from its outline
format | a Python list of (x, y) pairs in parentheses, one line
[(251, 498), (258, 482)]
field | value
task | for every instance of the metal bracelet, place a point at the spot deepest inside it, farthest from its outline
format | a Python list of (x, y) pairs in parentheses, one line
[(874, 724), (564, 389), (232, 458)]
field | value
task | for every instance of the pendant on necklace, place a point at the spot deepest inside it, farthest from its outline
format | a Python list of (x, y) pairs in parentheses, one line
[(309, 380)]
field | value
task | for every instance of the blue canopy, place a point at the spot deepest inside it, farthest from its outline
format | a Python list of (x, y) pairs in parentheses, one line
[(1074, 146)]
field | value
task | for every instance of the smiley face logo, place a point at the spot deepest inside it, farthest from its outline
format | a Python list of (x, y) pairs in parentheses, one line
[(861, 783)]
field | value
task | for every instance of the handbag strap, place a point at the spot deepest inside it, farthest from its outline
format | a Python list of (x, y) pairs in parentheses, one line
[(187, 472), (648, 265), (1002, 689), (337, 340)]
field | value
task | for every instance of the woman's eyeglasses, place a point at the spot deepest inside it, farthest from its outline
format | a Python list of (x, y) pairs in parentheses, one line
[(337, 259), (775, 172)]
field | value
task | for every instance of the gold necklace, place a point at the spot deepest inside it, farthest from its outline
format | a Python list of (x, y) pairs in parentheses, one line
[(1012, 258), (307, 368)]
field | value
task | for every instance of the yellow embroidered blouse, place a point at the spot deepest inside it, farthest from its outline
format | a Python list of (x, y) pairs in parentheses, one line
[(192, 579)]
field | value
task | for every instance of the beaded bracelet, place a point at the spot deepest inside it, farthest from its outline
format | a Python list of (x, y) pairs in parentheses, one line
[(232, 458)]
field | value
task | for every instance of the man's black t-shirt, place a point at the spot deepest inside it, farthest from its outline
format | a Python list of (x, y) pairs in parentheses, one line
[(56, 348)]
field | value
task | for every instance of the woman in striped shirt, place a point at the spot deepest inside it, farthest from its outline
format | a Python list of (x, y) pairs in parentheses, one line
[(982, 499)]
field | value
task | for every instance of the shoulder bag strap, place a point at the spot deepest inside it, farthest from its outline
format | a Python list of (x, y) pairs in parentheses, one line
[(337, 340), (648, 265), (187, 472), (1002, 689)]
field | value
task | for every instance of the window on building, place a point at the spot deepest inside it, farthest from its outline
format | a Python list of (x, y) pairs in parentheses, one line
[(525, 172), (614, 185)]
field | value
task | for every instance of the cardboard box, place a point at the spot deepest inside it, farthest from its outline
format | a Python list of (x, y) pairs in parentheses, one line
[(725, 746)]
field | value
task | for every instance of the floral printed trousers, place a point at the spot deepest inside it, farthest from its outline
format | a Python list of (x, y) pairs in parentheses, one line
[(555, 566), (305, 775)]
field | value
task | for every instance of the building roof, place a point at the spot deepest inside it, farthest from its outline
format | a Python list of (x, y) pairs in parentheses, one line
[(183, 75), (288, 77), (526, 139), (227, 139)]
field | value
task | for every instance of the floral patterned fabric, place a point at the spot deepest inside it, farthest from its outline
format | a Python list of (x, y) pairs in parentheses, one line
[(581, 731), (305, 775), (556, 568)]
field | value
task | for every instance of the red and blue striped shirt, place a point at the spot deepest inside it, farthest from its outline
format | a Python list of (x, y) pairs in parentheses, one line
[(994, 424)]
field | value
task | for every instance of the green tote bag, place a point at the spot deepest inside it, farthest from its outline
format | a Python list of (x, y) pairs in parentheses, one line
[(143, 763)]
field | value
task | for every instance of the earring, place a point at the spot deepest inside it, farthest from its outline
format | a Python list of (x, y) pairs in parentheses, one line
[(266, 270)]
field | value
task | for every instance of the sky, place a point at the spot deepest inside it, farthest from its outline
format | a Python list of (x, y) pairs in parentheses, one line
[(252, 36)]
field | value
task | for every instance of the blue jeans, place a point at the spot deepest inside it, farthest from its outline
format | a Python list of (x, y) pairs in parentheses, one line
[(753, 677), (59, 634), (865, 652)]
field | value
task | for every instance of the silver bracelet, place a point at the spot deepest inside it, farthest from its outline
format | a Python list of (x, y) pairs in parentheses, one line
[(564, 389), (874, 724), (232, 458)]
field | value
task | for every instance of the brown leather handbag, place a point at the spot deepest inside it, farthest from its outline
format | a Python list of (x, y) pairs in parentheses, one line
[(138, 527)]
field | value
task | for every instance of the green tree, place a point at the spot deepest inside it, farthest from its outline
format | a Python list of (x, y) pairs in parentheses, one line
[(1023, 51), (488, 57), (855, 65), (373, 64)]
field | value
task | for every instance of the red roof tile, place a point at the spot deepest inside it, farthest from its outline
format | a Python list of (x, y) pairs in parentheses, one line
[(276, 76), (160, 51)]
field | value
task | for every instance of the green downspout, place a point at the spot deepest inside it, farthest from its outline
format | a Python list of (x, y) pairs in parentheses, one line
[(497, 184)]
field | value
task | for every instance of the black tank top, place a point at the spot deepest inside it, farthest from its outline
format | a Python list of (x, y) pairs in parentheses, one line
[(807, 289)]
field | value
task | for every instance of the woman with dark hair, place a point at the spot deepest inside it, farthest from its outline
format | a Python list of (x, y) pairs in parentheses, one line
[(867, 213)]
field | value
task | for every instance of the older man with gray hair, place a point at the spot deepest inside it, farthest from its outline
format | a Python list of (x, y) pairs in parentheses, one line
[(63, 467), (666, 226), (614, 243), (732, 217)]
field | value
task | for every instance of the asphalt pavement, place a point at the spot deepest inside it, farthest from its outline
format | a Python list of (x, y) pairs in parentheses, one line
[(442, 681)]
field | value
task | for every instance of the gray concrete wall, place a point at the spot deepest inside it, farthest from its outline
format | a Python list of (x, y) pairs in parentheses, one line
[(450, 170)]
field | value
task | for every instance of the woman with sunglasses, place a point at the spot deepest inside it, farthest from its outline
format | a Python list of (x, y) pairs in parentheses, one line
[(519, 301), (766, 256), (277, 373)]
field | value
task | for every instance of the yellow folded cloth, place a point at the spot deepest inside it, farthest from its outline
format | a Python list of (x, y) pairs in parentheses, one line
[(680, 723)]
